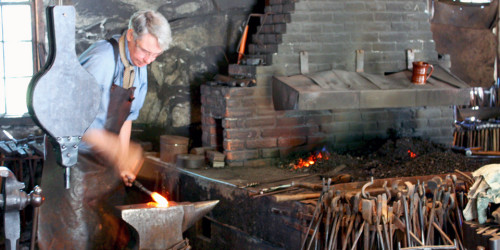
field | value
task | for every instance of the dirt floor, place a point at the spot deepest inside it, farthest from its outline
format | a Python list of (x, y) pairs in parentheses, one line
[(390, 158)]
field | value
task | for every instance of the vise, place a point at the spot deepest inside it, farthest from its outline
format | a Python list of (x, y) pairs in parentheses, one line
[(13, 200)]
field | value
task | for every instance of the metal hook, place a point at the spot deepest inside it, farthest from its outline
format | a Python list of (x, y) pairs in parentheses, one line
[(387, 191), (364, 194)]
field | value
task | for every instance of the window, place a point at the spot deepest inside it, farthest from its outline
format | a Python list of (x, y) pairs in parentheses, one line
[(16, 56), (475, 1), (467, 1)]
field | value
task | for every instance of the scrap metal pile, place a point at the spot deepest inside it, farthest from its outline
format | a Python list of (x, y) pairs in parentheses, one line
[(407, 213)]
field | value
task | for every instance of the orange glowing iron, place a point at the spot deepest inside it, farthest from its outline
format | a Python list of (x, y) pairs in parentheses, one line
[(158, 198)]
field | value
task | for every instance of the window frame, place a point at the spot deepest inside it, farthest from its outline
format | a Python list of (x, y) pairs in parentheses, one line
[(38, 46), (459, 2)]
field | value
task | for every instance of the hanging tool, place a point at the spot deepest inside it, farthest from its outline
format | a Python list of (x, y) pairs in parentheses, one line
[(243, 40)]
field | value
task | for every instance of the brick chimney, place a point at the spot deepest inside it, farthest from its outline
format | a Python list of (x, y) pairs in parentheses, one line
[(252, 133)]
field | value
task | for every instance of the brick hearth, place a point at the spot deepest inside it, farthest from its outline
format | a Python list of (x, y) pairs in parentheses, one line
[(242, 122)]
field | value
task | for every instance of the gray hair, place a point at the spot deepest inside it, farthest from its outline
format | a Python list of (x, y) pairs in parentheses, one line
[(151, 22)]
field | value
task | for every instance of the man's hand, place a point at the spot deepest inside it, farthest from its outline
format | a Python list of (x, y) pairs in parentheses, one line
[(127, 160)]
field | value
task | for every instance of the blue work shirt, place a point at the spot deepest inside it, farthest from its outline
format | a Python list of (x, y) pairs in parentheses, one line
[(100, 61)]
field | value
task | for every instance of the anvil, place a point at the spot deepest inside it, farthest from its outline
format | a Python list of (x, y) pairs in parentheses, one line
[(162, 227)]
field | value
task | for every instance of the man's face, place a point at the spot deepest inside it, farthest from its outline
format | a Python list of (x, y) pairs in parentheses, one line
[(143, 51)]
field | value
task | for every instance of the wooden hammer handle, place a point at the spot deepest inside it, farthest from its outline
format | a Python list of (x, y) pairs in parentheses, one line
[(295, 197)]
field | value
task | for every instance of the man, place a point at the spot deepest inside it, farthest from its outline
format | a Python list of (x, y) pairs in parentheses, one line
[(82, 217)]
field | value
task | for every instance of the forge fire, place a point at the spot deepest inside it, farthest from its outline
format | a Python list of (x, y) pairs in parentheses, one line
[(384, 159)]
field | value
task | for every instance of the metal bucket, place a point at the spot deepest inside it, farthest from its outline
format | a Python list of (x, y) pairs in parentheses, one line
[(171, 146)]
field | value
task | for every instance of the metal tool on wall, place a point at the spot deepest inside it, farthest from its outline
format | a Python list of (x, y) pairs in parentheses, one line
[(63, 98)]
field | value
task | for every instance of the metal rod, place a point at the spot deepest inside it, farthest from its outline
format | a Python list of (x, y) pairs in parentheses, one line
[(407, 223), (141, 187), (358, 234), (433, 247), (316, 211), (34, 228), (67, 174)]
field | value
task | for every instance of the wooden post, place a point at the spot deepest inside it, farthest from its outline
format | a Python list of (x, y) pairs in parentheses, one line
[(498, 43)]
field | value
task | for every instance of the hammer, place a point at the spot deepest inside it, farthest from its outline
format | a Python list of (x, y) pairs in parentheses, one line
[(466, 151)]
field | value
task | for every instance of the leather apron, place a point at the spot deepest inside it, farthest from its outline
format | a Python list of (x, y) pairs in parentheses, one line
[(84, 216)]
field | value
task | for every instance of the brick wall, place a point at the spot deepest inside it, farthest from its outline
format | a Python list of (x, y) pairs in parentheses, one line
[(242, 120), (332, 31), (252, 134)]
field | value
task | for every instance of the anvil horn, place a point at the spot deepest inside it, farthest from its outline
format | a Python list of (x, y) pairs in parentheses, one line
[(195, 211)]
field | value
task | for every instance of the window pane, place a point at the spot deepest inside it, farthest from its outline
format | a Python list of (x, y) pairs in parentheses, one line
[(2, 96), (1, 61), (15, 93), (14, 1), (16, 22), (475, 1), (18, 59)]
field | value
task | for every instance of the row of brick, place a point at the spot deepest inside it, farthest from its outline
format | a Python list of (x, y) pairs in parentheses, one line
[(280, 8), (242, 129), (267, 38)]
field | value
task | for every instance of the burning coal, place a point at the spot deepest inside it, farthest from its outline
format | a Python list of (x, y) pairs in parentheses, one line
[(411, 154), (312, 159)]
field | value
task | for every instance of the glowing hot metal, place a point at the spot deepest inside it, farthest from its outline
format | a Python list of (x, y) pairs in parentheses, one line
[(162, 202), (158, 198)]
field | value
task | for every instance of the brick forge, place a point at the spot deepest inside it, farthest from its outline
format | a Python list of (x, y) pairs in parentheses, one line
[(247, 129), (242, 121)]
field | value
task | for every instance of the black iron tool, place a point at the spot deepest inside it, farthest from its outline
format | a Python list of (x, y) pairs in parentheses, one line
[(141, 187)]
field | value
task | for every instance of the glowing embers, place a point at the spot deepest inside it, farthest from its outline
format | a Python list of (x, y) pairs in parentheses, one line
[(312, 159), (411, 154), (160, 201)]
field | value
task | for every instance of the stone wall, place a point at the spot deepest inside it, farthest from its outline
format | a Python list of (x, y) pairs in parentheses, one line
[(205, 36)]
